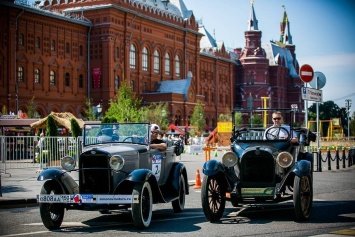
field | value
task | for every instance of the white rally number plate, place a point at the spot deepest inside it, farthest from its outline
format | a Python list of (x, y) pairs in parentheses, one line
[(48, 198)]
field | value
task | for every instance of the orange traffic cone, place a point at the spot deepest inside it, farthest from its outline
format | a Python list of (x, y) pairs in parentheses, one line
[(198, 180)]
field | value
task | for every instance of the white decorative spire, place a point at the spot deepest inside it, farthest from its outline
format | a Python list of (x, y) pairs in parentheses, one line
[(253, 22)]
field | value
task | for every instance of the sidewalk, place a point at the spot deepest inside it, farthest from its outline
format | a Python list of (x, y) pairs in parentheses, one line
[(20, 187)]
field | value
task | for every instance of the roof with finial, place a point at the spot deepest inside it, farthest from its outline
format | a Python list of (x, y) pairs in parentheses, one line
[(285, 36), (253, 22)]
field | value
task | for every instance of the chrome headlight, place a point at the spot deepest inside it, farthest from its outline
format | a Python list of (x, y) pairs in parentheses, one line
[(284, 159), (116, 162), (68, 163), (229, 159)]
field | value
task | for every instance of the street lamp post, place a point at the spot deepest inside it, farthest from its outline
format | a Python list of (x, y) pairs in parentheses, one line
[(348, 106), (294, 108), (99, 110)]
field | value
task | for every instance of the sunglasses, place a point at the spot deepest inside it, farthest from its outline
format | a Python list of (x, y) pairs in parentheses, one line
[(156, 133), (276, 118)]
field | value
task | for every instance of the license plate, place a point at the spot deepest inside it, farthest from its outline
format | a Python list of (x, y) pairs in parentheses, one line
[(48, 198)]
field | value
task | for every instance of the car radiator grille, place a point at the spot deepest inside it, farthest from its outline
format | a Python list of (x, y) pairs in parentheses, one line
[(95, 174), (257, 168)]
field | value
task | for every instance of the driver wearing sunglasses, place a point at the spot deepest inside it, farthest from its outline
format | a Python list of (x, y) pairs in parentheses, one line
[(156, 143), (277, 120)]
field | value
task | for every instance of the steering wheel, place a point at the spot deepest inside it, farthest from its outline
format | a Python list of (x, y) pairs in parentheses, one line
[(128, 138), (275, 133)]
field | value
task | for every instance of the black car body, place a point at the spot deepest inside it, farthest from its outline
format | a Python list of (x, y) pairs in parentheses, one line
[(260, 168), (117, 170)]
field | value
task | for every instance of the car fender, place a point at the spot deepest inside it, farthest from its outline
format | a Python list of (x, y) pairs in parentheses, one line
[(302, 168), (67, 183), (174, 176), (212, 167)]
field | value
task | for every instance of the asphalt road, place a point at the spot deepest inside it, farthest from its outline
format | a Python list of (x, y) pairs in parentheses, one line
[(333, 213)]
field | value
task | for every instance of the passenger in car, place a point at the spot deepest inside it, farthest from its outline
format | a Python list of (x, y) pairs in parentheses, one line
[(277, 118), (156, 143)]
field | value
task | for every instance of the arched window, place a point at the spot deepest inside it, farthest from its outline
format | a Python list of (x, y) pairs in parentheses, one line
[(167, 64), (117, 82), (20, 76), (38, 42), (117, 51), (145, 59), (67, 48), (156, 62), (21, 39), (53, 45), (81, 51), (67, 79), (177, 65), (81, 81), (132, 57), (37, 76), (52, 78)]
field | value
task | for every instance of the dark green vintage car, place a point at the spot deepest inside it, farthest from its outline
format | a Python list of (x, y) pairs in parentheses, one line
[(116, 170), (260, 168)]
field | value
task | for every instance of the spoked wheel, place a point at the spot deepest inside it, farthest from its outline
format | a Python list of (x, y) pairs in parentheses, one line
[(51, 213), (179, 204), (142, 208), (212, 198), (302, 197)]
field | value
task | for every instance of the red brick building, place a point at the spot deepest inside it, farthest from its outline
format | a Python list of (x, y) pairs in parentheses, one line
[(63, 52)]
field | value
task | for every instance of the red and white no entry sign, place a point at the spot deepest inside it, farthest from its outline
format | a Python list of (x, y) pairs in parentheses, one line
[(306, 73)]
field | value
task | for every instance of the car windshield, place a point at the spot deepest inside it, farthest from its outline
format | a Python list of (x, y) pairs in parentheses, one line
[(136, 133)]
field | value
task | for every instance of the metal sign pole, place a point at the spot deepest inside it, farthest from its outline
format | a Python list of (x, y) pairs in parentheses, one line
[(306, 113), (318, 144)]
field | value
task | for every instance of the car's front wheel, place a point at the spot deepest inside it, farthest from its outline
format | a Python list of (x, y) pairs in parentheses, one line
[(302, 197), (51, 213), (179, 204), (213, 198), (142, 205)]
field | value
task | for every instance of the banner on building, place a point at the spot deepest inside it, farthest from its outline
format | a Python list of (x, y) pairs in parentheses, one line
[(96, 77)]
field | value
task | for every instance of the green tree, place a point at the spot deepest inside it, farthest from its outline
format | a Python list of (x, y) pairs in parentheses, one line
[(225, 117), (327, 110), (75, 128), (352, 127), (256, 121), (126, 106), (89, 112), (51, 130), (51, 127), (198, 119), (238, 119), (30, 108), (4, 110), (156, 113)]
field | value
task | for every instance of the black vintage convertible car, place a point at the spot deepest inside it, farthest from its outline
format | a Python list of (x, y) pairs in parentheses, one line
[(116, 170), (260, 168)]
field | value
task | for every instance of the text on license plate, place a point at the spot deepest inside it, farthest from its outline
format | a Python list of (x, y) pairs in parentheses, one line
[(47, 198)]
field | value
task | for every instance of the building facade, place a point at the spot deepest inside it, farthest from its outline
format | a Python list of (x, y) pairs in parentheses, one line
[(62, 52)]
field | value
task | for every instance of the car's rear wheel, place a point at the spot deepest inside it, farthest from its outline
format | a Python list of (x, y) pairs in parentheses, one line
[(213, 198), (302, 197), (179, 204), (142, 207), (51, 213)]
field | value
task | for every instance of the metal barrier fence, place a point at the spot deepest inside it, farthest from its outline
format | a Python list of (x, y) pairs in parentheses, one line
[(23, 151), (339, 160)]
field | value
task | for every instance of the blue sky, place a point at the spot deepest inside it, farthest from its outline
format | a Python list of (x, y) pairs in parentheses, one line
[(323, 32)]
